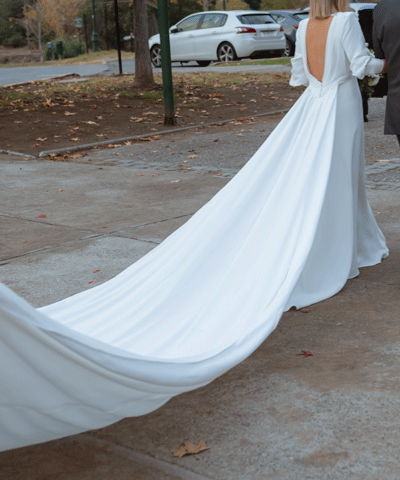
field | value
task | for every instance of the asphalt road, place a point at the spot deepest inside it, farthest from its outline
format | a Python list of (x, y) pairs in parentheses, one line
[(9, 76)]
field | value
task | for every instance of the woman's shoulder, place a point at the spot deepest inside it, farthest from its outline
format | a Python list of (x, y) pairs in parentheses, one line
[(346, 16)]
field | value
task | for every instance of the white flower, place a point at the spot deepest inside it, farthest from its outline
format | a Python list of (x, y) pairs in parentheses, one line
[(373, 80)]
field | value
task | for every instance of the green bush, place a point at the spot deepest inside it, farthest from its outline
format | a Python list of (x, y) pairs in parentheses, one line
[(71, 48), (17, 40)]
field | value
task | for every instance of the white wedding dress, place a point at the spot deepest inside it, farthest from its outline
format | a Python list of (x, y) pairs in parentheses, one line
[(289, 229)]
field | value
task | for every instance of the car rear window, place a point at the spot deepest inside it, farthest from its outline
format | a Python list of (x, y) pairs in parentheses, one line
[(255, 19), (300, 16)]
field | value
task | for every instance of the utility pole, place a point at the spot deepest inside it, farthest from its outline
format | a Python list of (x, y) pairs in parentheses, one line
[(163, 26), (118, 35), (224, 4), (95, 38)]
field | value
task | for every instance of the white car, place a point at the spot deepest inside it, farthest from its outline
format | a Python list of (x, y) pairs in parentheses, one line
[(221, 35), (356, 7)]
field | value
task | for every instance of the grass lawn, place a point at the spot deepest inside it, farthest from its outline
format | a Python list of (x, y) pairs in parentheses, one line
[(264, 61), (84, 59)]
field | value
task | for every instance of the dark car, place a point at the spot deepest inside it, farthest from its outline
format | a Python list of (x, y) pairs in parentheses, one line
[(289, 20)]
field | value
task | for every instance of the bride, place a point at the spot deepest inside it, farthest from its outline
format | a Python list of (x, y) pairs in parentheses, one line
[(289, 230)]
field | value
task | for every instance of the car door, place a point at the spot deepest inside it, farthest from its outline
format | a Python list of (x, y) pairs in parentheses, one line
[(182, 42), (208, 36)]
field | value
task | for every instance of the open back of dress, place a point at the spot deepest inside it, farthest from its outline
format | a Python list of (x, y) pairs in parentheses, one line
[(289, 229)]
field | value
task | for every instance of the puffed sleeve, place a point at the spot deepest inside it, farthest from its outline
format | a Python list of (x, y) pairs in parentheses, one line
[(298, 76), (361, 62)]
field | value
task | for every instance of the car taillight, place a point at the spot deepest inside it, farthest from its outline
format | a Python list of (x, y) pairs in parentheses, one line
[(246, 30), (281, 29), (295, 26)]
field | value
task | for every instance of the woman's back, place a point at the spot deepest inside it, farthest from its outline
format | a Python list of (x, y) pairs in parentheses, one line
[(316, 37)]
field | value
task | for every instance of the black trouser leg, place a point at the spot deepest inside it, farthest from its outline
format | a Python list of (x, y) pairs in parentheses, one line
[(398, 139), (365, 105)]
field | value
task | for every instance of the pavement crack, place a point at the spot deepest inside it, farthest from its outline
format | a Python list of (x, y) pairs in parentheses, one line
[(117, 233), (147, 460)]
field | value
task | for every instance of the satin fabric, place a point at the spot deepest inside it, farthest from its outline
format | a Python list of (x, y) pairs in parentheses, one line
[(289, 229)]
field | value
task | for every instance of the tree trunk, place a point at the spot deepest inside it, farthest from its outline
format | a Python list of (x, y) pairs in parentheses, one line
[(39, 12), (143, 69)]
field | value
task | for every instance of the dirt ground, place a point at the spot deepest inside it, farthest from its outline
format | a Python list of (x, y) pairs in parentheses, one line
[(50, 115)]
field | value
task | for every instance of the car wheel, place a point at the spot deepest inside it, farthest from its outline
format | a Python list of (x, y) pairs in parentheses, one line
[(203, 63), (155, 54), (226, 53), (289, 50)]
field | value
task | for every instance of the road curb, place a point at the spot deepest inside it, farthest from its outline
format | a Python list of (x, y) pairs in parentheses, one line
[(10, 152), (30, 82), (76, 148)]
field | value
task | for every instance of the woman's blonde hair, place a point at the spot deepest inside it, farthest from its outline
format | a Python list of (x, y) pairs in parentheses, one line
[(320, 9)]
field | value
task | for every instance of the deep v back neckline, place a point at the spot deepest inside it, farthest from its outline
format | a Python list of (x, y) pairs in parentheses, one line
[(326, 49)]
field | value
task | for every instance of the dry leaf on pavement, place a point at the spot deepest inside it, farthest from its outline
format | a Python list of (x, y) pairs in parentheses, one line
[(69, 113), (189, 448)]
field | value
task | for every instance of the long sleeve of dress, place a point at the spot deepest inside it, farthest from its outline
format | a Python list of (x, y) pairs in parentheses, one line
[(361, 62), (299, 76)]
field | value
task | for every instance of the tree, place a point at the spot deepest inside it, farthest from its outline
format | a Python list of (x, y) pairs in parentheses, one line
[(11, 33), (34, 12), (178, 9), (60, 14), (253, 4), (143, 69), (207, 4)]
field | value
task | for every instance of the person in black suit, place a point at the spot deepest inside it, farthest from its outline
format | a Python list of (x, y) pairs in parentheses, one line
[(386, 41), (365, 19)]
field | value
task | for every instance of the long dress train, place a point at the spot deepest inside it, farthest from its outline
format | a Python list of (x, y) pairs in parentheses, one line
[(289, 229)]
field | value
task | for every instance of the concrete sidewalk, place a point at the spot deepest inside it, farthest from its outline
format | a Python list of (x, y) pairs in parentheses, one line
[(276, 415)]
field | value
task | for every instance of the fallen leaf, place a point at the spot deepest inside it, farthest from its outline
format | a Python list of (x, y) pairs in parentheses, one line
[(217, 174), (175, 181), (41, 139), (218, 95), (192, 156), (216, 140), (189, 448), (92, 282), (17, 121), (42, 216), (306, 354), (91, 123), (61, 190), (97, 270), (128, 143), (150, 113), (76, 139), (304, 310), (69, 113)]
